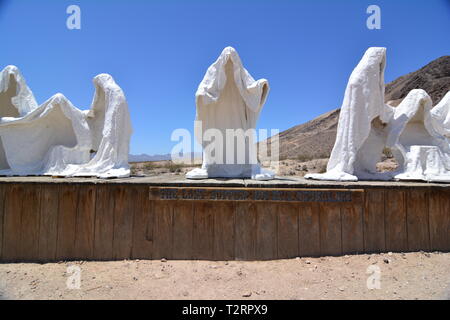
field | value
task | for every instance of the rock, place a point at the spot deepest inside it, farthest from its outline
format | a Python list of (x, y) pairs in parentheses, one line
[(341, 289), (247, 294), (163, 260), (386, 261)]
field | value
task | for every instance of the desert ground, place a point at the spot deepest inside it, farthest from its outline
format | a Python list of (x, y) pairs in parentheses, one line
[(286, 167), (417, 275)]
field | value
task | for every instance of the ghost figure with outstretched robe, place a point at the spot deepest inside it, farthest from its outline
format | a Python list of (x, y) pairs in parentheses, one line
[(361, 132), (58, 139), (417, 139), (110, 128), (228, 102)]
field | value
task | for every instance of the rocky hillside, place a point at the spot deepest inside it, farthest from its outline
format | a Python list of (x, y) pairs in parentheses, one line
[(315, 139), (434, 78)]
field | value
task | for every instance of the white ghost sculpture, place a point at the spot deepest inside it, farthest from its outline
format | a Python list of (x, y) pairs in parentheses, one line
[(422, 152), (56, 138), (229, 100), (110, 132), (361, 133)]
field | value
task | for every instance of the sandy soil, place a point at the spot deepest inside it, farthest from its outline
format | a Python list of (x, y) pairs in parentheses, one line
[(402, 276), (287, 167)]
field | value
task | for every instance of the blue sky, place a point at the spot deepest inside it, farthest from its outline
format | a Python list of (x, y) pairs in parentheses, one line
[(158, 52)]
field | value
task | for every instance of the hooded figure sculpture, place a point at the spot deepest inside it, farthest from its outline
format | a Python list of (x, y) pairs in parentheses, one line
[(57, 138), (110, 132), (16, 99), (422, 152), (228, 102), (361, 133)]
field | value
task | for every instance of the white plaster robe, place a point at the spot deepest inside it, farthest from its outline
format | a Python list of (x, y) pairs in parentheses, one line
[(229, 98), (440, 116), (422, 152), (16, 99), (56, 138), (110, 129), (361, 135)]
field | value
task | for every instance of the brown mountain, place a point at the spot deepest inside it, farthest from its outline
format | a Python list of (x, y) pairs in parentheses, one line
[(315, 138), (434, 78)]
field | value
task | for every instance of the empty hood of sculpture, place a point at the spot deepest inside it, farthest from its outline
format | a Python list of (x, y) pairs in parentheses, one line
[(254, 93), (16, 99)]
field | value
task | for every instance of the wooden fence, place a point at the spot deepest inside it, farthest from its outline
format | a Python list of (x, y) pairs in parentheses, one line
[(109, 221)]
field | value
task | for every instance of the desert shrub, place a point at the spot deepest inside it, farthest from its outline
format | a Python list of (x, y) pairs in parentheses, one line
[(149, 166), (387, 152), (174, 167), (304, 158)]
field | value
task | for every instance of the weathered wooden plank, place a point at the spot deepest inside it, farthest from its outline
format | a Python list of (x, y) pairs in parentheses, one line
[(124, 207), (12, 221), (85, 224), (395, 220), (374, 229), (245, 231), (417, 220), (266, 231), (352, 228), (104, 223), (183, 230), (288, 231), (224, 236), (29, 231), (447, 210), (163, 230), (57, 221), (143, 226), (439, 215), (48, 225), (203, 236), (330, 229), (309, 230), (67, 219), (2, 207)]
